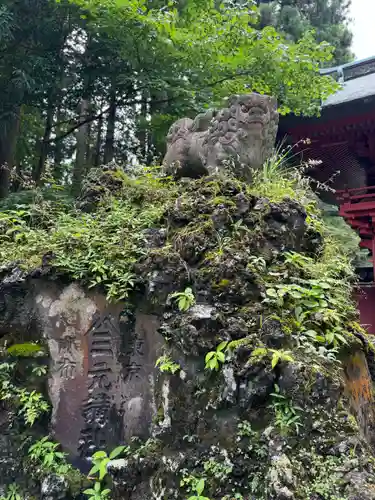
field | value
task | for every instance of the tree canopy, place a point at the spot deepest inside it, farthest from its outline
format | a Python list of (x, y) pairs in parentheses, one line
[(84, 82), (328, 18)]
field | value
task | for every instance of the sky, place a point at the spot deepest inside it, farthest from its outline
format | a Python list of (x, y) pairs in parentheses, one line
[(363, 27)]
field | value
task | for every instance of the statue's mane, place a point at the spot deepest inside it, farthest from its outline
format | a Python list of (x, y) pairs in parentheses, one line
[(179, 130), (225, 127)]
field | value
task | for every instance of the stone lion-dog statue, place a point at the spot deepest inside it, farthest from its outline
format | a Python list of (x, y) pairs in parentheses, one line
[(243, 132)]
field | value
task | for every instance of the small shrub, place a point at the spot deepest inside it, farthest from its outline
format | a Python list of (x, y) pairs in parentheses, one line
[(214, 359), (184, 299)]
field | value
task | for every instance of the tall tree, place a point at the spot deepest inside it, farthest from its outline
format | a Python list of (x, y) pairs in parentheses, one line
[(329, 19), (94, 77)]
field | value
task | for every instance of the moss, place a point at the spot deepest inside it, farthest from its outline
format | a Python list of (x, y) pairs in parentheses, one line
[(159, 416), (221, 284), (26, 350), (222, 200)]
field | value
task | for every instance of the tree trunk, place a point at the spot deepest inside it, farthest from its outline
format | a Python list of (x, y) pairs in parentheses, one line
[(44, 144), (142, 133), (8, 142), (98, 145), (81, 151), (89, 148), (58, 149), (111, 124), (83, 131)]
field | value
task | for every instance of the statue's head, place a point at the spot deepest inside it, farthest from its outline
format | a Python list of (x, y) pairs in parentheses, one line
[(255, 115)]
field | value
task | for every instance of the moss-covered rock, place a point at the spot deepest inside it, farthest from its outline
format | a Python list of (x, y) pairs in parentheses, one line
[(272, 398)]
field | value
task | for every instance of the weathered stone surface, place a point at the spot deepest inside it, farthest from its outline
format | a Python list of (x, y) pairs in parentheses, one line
[(102, 361), (54, 487), (309, 441), (244, 132)]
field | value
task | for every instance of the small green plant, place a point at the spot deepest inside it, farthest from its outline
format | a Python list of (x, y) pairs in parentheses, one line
[(184, 300), (219, 470), (32, 405), (166, 364), (46, 453), (214, 359), (198, 490), (277, 355), (100, 459), (245, 430), (257, 264), (195, 486), (239, 228), (12, 493), (287, 416), (97, 493), (222, 243), (39, 371)]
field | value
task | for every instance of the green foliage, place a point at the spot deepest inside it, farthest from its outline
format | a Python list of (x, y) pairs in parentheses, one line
[(277, 179), (173, 58), (214, 359), (287, 416), (276, 355), (46, 454), (185, 300), (227, 55), (30, 404), (328, 19), (97, 493), (13, 493), (320, 300), (323, 478), (166, 364), (100, 248), (100, 459), (218, 470), (26, 350), (195, 486), (336, 228), (39, 371)]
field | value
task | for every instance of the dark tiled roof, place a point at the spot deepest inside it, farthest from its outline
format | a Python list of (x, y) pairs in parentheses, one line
[(357, 79)]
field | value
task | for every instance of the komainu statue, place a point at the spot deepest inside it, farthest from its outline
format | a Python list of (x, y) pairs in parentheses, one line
[(244, 132)]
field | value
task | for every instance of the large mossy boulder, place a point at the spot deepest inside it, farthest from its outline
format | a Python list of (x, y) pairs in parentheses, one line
[(262, 387)]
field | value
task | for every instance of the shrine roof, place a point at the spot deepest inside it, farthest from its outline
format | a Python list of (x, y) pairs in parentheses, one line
[(357, 78)]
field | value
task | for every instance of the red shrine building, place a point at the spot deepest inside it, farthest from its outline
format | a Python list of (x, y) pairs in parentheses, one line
[(343, 139)]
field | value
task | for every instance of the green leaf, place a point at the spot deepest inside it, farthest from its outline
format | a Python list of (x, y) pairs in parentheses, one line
[(209, 356), (99, 454), (200, 486), (222, 345), (259, 352), (94, 469), (341, 338), (116, 452), (220, 356), (311, 333), (275, 359), (271, 292), (103, 469)]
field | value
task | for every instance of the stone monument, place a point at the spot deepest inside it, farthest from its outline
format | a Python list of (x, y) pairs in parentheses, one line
[(243, 132)]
